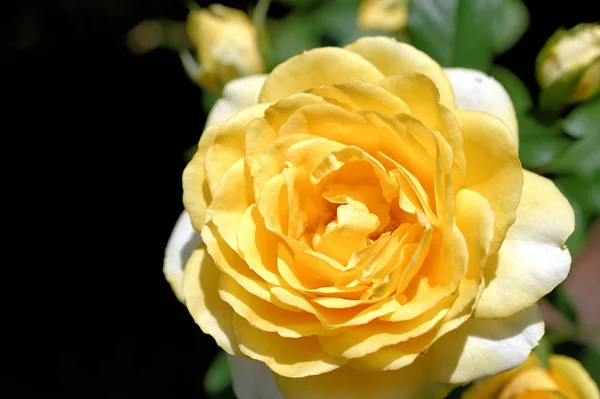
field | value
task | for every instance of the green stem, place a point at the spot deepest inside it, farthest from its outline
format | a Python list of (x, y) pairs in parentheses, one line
[(559, 336), (260, 13), (259, 17)]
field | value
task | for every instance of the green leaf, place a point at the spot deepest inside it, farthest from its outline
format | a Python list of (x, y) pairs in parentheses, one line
[(298, 3), (576, 241), (561, 300), (457, 393), (189, 152), (583, 193), (518, 92), (226, 394), (510, 25), (292, 35), (584, 189), (537, 153), (454, 32), (581, 157), (583, 120), (543, 351), (590, 360), (336, 19), (208, 100), (217, 378)]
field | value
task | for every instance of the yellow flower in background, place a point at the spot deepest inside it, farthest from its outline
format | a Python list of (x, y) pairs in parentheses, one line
[(572, 55), (226, 43), (383, 15), (367, 229), (565, 378)]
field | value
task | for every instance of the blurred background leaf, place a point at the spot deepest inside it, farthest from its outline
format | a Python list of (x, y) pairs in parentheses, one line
[(509, 25), (299, 3), (584, 120), (590, 359), (437, 27), (328, 23), (561, 300), (217, 379), (292, 35), (581, 157)]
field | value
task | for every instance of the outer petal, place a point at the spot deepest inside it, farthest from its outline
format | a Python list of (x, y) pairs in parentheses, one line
[(314, 68), (491, 387), (210, 312), (196, 193), (179, 248), (252, 379), (347, 383), (480, 348), (493, 167), (392, 57), (533, 258), (476, 91), (572, 377), (237, 95)]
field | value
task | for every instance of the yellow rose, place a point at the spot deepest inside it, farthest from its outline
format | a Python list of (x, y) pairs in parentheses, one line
[(383, 15), (367, 228), (227, 46), (572, 56), (565, 378)]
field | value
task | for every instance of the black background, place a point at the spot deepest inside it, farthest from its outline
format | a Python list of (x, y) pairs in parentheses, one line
[(93, 140)]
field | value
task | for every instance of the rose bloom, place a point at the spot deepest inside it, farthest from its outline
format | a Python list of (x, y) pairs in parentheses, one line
[(382, 15), (572, 57), (226, 42), (367, 228), (565, 378)]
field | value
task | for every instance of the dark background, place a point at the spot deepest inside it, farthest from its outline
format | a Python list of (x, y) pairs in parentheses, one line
[(93, 142)]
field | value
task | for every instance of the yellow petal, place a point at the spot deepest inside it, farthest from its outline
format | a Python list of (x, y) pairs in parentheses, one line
[(392, 57), (288, 357), (494, 168), (533, 379), (228, 261), (347, 383), (368, 170), (476, 91), (229, 145), (259, 136), (572, 377), (369, 338), (196, 193), (349, 234), (258, 246), (475, 220), (266, 316), (422, 97), (361, 95), (533, 258), (210, 312), (484, 347), (313, 68), (491, 387), (226, 210), (278, 113)]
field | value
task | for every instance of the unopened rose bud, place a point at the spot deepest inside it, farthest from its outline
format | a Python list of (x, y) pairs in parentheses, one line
[(226, 43), (568, 67), (383, 15)]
